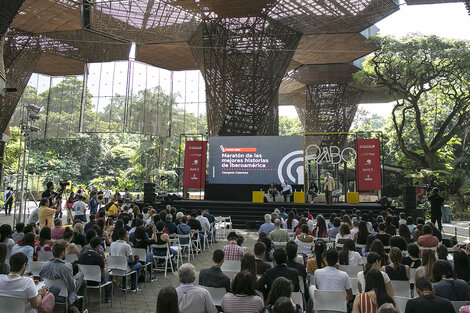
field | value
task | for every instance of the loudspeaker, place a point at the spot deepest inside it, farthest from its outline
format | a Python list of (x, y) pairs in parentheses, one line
[(385, 201), (410, 197), (149, 193)]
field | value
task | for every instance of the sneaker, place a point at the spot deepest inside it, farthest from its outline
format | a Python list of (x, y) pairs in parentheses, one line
[(107, 300), (136, 289), (127, 288)]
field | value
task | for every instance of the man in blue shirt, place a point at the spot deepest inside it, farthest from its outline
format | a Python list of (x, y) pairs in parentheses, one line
[(267, 227), (93, 204)]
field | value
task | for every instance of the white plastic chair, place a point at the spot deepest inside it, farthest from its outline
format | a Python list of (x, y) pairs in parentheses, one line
[(79, 247), (12, 305), (175, 245), (231, 266), (117, 266), (401, 288), (93, 273), (34, 267), (70, 258), (216, 294), (401, 302), (167, 258), (142, 254), (44, 256), (355, 288), (188, 247), (329, 300), (230, 274), (298, 298), (279, 244), (63, 292), (351, 270)]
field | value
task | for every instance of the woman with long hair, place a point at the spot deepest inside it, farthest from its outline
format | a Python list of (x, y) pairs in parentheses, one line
[(319, 261), (428, 259), (373, 261), (282, 287), (404, 231), (114, 234), (5, 237), (304, 237), (71, 248), (291, 221), (243, 298), (78, 237), (375, 294), (4, 267), (461, 265), (284, 305), (26, 246), (347, 220), (378, 247), (396, 270), (248, 263), (167, 300), (45, 242), (348, 254), (370, 239), (361, 236), (332, 218), (344, 233), (320, 230)]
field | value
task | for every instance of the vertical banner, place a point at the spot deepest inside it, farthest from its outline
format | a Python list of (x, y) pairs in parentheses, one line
[(195, 165), (368, 173)]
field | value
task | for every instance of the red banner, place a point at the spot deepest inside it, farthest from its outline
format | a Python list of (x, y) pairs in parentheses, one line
[(368, 174), (195, 164)]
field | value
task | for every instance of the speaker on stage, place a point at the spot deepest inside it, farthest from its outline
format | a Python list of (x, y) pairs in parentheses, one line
[(410, 197), (149, 193)]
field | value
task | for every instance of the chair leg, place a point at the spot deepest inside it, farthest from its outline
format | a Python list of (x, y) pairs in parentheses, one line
[(99, 302), (166, 266)]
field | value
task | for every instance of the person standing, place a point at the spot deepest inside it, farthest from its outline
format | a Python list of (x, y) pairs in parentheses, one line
[(328, 187), (93, 204), (49, 193), (8, 197), (107, 195), (46, 214), (286, 189), (436, 205), (80, 209)]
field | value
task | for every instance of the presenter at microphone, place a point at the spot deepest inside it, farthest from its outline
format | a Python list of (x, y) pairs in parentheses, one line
[(328, 187), (286, 190)]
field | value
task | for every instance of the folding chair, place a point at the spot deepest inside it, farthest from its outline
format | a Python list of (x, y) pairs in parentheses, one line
[(401, 288), (142, 254), (70, 258), (329, 300), (355, 288), (351, 270), (298, 298), (34, 268), (117, 266), (12, 305), (401, 302), (63, 292), (279, 244), (197, 241), (167, 257), (216, 294), (93, 273), (175, 245), (231, 266), (188, 247), (44, 256)]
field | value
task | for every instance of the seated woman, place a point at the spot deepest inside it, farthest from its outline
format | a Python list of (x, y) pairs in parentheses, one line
[(26, 246), (344, 233), (45, 242), (348, 254), (427, 240), (427, 264), (4, 266), (373, 261), (446, 286), (284, 305), (162, 239), (71, 248), (273, 191), (282, 287), (320, 230), (243, 298), (375, 294), (304, 237), (313, 190), (396, 270)]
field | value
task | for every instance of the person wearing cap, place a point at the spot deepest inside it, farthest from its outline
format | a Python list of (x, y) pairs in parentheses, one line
[(93, 257), (232, 251), (436, 205)]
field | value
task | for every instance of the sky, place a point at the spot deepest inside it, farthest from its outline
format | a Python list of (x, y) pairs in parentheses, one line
[(449, 20)]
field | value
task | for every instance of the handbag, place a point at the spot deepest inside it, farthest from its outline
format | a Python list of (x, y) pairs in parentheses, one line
[(47, 303)]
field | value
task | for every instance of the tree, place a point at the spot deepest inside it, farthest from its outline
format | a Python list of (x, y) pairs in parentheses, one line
[(290, 126), (429, 78)]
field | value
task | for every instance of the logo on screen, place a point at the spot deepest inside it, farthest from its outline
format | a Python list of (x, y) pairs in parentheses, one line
[(291, 168)]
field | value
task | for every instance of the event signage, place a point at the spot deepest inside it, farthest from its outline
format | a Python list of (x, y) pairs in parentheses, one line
[(331, 154), (256, 160), (368, 174), (195, 165)]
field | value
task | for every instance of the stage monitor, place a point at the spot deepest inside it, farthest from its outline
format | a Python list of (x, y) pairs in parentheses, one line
[(256, 160)]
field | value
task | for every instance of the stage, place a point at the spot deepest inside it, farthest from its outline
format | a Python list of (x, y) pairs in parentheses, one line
[(250, 215)]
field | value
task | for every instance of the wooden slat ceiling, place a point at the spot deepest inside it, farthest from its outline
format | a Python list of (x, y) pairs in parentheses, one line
[(414, 2), (289, 85), (176, 56), (332, 48), (326, 73), (55, 65), (224, 8)]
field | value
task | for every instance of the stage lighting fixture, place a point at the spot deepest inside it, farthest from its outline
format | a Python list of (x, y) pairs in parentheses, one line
[(33, 108), (31, 129)]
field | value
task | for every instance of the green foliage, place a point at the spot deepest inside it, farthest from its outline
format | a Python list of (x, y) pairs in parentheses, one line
[(290, 126)]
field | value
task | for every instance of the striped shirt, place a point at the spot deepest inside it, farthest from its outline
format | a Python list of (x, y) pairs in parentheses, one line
[(365, 304), (241, 303)]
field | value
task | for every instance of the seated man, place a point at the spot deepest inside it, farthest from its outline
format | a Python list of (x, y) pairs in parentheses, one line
[(169, 225), (16, 286), (122, 248), (213, 276), (278, 234), (191, 298), (279, 270), (93, 257), (57, 269), (232, 251), (261, 265), (286, 190), (330, 278), (427, 302), (205, 224), (267, 227), (291, 250)]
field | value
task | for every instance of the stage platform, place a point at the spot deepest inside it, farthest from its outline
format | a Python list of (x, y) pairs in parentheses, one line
[(250, 215)]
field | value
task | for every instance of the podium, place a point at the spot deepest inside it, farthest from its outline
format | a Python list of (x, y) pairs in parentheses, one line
[(299, 197), (258, 196)]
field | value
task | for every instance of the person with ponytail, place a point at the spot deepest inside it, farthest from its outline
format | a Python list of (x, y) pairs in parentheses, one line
[(428, 259), (348, 254), (375, 294), (373, 261), (314, 264), (396, 270)]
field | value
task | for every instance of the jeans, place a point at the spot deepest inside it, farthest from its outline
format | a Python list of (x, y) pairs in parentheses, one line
[(58, 214), (327, 196), (107, 288), (81, 217), (163, 252), (136, 267), (79, 289), (286, 194), (8, 207)]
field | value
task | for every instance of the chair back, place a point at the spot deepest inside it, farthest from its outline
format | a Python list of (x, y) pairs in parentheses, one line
[(34, 267), (117, 263), (79, 247), (230, 274), (216, 294), (401, 288), (298, 298), (45, 256), (70, 258), (91, 272), (412, 275), (141, 253), (329, 300), (231, 266), (57, 283), (12, 305), (351, 270), (279, 244), (458, 304), (401, 302), (355, 288)]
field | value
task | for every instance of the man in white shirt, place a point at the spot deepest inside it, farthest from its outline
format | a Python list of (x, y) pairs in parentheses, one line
[(286, 189), (122, 248), (33, 216), (206, 226), (330, 278), (79, 207), (191, 298), (107, 195)]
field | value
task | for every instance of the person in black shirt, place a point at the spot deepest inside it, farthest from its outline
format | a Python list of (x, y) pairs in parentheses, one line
[(169, 225), (90, 224), (213, 276), (436, 204), (412, 260), (427, 302), (261, 265), (382, 235), (93, 257), (194, 223), (291, 249), (141, 242), (49, 193)]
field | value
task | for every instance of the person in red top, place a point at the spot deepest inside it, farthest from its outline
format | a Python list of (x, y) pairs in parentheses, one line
[(427, 240), (232, 251)]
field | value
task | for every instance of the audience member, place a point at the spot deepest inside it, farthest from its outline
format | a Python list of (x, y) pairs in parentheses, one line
[(361, 236), (78, 232), (334, 230), (398, 242), (45, 241), (248, 263), (232, 251), (282, 287), (427, 302), (26, 246), (213, 276), (243, 298), (382, 235), (396, 270), (427, 240), (292, 260), (304, 238), (378, 247), (284, 305), (412, 259), (4, 267), (261, 265), (344, 233), (167, 300), (18, 234), (320, 251), (320, 230), (373, 261), (389, 227), (405, 233), (17, 286), (387, 308), (278, 234), (267, 226), (5, 237), (445, 285), (461, 265), (191, 298), (375, 294), (427, 264)]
